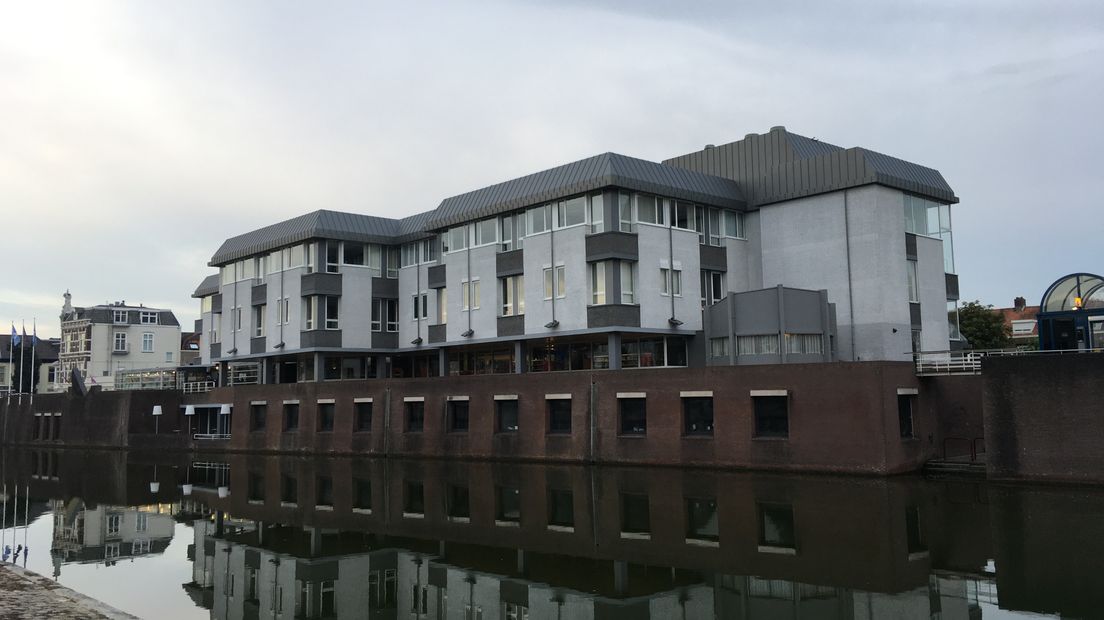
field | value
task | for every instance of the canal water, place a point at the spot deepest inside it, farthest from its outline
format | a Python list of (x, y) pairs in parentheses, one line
[(178, 536)]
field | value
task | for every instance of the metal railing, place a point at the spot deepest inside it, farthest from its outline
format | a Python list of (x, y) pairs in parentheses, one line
[(208, 436), (198, 387), (968, 362), (244, 374)]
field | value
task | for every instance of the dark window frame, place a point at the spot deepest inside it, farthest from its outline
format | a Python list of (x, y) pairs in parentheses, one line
[(291, 417), (327, 417), (693, 412), (693, 521), (770, 423), (257, 414), (906, 415), (788, 520), (502, 511), (503, 417), (553, 504), (414, 416), (362, 416), (626, 416), (556, 416), (630, 516), (458, 416)]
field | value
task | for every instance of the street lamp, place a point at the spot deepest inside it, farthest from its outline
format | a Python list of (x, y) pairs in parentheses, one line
[(156, 418)]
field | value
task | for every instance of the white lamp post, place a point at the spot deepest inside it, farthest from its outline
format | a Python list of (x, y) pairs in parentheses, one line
[(224, 410), (189, 412), (156, 418)]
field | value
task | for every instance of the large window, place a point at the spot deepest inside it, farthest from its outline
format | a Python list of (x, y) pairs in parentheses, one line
[(635, 514), (147, 342), (333, 256), (353, 254), (385, 311), (326, 414), (649, 210), (766, 344), (715, 231), (507, 505), (701, 520), (512, 295), (120, 342), (332, 312), (561, 508), (375, 260), (931, 219), (362, 415), (913, 282), (571, 212), (776, 527), (598, 283), (513, 232), (628, 282), (259, 321), (804, 344), (597, 214), (538, 220), (625, 220), (420, 304), (310, 313), (456, 412), (415, 416)]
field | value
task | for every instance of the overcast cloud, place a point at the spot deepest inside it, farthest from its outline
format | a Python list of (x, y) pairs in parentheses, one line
[(136, 136)]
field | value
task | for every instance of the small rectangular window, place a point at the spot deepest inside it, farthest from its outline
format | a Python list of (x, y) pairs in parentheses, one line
[(571, 212), (697, 415), (259, 321), (905, 404), (393, 262), (255, 488), (647, 210), (291, 416), (628, 282), (598, 283), (559, 416), (415, 416), (635, 514), (506, 416), (363, 413), (147, 343), (392, 308), (326, 413), (457, 413), (715, 231), (377, 315), (442, 306), (257, 414), (626, 221), (772, 416), (332, 312), (913, 282), (333, 256), (633, 414)]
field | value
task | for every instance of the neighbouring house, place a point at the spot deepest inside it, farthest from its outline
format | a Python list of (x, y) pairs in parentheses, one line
[(1021, 321), (100, 341), (606, 262)]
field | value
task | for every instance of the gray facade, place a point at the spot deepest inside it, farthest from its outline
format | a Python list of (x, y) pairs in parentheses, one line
[(795, 325), (560, 268)]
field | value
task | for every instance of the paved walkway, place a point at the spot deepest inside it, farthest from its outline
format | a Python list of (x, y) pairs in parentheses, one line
[(25, 594)]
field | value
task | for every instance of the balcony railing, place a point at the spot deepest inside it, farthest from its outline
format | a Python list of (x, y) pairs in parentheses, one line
[(968, 362)]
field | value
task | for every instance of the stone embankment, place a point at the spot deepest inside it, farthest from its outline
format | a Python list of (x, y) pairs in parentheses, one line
[(25, 594)]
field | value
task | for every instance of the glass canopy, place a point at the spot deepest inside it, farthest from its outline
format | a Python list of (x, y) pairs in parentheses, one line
[(1064, 294)]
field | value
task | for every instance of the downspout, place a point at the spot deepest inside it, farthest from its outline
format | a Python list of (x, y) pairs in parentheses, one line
[(552, 259), (850, 284), (471, 304), (671, 266)]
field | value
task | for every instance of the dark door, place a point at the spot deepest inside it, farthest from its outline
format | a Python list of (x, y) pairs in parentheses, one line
[(1065, 334)]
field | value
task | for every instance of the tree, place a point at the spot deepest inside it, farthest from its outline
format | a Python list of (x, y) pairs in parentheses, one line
[(983, 327)]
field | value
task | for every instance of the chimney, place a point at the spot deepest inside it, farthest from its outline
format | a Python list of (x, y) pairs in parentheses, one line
[(1019, 303)]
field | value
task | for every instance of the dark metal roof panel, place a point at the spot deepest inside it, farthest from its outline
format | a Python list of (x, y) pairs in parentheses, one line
[(586, 175), (209, 286)]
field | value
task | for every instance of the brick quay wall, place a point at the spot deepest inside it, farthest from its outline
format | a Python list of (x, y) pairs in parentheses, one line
[(842, 418)]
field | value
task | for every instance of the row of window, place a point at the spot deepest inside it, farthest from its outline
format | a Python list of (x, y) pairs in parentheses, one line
[(378, 259), (121, 344), (767, 344), (509, 231), (770, 409)]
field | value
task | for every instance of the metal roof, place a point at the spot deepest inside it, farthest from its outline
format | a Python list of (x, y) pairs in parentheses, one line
[(320, 224), (781, 165), (209, 286), (599, 171)]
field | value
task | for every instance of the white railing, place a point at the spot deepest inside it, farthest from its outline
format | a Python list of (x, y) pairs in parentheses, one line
[(968, 362), (198, 387), (244, 374), (208, 436)]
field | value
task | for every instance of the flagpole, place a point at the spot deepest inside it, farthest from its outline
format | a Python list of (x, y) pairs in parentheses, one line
[(34, 369), (22, 346), (4, 521), (11, 366), (26, 521)]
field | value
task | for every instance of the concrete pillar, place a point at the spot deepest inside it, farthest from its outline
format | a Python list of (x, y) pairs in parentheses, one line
[(521, 564), (381, 367), (519, 357), (613, 341), (442, 363), (223, 373), (318, 367), (441, 548), (220, 523)]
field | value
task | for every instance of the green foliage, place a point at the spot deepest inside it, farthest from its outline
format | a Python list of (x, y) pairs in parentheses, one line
[(983, 327)]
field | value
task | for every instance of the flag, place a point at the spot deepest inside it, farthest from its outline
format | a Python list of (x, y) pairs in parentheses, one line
[(14, 336)]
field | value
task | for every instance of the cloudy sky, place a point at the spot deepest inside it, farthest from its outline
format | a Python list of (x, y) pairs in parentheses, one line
[(136, 136)]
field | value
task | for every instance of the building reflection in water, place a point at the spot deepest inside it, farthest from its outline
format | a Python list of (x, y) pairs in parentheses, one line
[(288, 537)]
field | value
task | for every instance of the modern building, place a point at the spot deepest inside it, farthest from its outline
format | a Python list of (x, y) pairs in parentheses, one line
[(103, 340), (607, 262), (106, 534), (1071, 315)]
